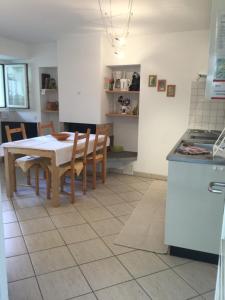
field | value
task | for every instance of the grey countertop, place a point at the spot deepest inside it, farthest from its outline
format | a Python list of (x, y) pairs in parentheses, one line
[(200, 138)]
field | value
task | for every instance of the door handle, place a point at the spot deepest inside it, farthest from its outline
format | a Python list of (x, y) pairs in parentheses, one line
[(212, 186)]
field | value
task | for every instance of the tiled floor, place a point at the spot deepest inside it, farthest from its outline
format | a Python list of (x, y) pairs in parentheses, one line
[(68, 252)]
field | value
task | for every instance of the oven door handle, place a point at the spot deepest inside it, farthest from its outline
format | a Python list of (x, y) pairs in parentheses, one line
[(214, 184)]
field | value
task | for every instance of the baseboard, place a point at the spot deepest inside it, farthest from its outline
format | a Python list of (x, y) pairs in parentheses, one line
[(150, 175), (195, 255)]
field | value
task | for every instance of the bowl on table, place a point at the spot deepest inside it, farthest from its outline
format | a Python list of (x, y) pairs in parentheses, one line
[(60, 136)]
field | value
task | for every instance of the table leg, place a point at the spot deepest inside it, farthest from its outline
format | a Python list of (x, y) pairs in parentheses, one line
[(9, 173), (55, 183)]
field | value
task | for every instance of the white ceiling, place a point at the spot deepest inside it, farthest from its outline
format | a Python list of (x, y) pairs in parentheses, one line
[(36, 21)]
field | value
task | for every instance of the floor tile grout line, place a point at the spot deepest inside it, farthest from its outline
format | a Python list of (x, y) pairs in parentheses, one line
[(30, 260)]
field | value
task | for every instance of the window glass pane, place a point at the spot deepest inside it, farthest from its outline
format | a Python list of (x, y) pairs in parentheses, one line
[(16, 86), (2, 94)]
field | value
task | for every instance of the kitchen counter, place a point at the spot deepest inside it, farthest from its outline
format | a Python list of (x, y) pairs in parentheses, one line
[(200, 138)]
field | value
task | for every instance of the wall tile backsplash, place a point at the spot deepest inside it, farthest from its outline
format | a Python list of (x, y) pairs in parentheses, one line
[(205, 114)]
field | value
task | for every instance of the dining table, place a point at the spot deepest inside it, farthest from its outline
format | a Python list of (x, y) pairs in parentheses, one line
[(57, 152)]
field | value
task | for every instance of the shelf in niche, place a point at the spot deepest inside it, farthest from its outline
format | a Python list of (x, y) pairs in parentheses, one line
[(45, 91), (121, 115), (121, 92), (50, 111)]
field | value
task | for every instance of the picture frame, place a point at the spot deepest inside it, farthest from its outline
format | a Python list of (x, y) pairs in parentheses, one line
[(171, 90), (152, 80), (161, 87)]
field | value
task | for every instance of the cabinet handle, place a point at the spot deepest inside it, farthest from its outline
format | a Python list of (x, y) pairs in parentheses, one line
[(212, 184)]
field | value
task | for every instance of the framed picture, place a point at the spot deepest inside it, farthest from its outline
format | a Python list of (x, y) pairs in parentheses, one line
[(152, 80), (161, 85), (171, 90)]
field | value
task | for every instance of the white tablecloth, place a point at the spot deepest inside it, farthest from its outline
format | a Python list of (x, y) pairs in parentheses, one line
[(63, 149)]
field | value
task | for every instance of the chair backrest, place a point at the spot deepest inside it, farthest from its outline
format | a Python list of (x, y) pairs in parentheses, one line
[(43, 127), (80, 146), (11, 131), (101, 136)]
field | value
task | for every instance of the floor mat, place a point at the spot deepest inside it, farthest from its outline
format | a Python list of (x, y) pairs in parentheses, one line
[(145, 228)]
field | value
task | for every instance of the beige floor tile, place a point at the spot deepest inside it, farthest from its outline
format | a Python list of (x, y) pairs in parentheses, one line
[(36, 225), (104, 273), (124, 218), (30, 213), (63, 284), (131, 196), (120, 209), (201, 276), (19, 267), (50, 260), (173, 261), (141, 263), (62, 209), (124, 291), (197, 298), (26, 289), (107, 227), (166, 285), (9, 216), (68, 219), (129, 179), (7, 205), (110, 199), (86, 297), (116, 249), (12, 230), (96, 214), (98, 193), (77, 233), (86, 202), (89, 251), (209, 296), (43, 240), (27, 202), (140, 186), (134, 203), (15, 246), (121, 188)]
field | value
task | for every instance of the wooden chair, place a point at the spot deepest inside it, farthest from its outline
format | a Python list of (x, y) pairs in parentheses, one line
[(42, 127), (25, 162), (76, 166), (99, 155)]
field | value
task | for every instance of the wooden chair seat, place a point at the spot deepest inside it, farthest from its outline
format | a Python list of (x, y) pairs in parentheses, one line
[(66, 168), (27, 162), (97, 157)]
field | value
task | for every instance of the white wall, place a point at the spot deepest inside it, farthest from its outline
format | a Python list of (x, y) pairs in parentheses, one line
[(178, 58), (14, 49), (80, 78)]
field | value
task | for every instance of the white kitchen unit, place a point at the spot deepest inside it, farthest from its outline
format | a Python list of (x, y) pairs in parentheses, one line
[(193, 215)]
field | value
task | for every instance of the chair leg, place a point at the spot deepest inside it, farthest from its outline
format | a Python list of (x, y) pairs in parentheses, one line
[(84, 182), (14, 180), (37, 180), (72, 187), (28, 178), (94, 175), (103, 171)]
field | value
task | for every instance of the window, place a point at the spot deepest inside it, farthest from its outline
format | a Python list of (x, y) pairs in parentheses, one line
[(14, 86), (2, 90)]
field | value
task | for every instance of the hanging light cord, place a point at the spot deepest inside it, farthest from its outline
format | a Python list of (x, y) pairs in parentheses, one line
[(107, 20)]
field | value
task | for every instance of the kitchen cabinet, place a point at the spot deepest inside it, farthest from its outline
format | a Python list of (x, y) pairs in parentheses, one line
[(193, 215)]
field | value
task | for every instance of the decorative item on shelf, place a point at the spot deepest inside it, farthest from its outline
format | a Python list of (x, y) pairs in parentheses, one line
[(52, 105), (136, 110), (111, 84), (171, 90), (45, 80), (161, 85), (117, 148), (125, 105), (135, 84), (52, 83), (152, 80), (106, 83)]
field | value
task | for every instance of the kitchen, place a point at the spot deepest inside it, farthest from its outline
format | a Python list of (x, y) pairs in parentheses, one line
[(160, 50)]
